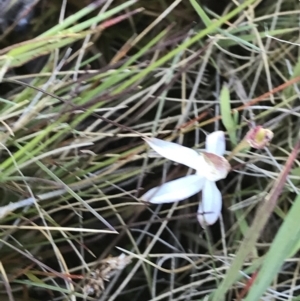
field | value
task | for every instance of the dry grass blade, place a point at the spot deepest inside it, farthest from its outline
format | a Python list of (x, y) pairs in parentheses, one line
[(82, 84)]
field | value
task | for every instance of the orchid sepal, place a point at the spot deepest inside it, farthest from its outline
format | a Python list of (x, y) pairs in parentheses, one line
[(175, 190)]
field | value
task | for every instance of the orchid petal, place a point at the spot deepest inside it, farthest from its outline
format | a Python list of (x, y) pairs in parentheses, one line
[(174, 191), (176, 152), (210, 208), (216, 168), (215, 143)]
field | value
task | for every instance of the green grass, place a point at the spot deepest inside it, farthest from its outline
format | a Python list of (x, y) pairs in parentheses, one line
[(81, 88)]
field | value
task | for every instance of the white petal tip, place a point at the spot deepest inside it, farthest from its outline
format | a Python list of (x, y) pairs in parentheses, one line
[(174, 151), (174, 191), (208, 218), (209, 209), (215, 143)]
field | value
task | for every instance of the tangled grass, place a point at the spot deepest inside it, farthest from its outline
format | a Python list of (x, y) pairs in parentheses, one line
[(82, 86)]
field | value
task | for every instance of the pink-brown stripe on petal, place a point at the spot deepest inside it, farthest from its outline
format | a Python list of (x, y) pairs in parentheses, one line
[(219, 166)]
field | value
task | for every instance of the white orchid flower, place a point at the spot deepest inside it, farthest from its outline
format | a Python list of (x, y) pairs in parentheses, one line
[(210, 166)]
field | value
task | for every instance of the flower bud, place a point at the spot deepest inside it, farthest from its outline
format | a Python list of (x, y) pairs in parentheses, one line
[(258, 137)]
